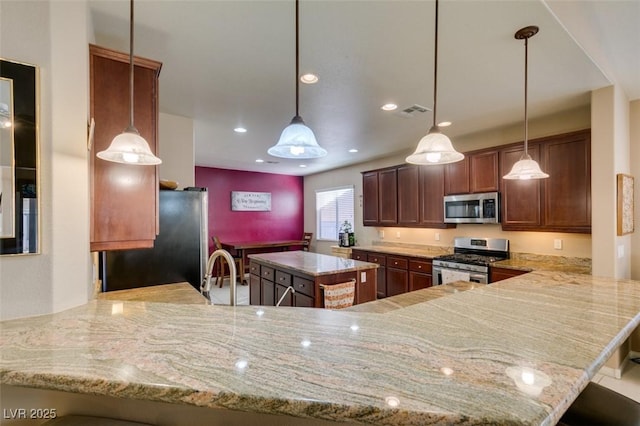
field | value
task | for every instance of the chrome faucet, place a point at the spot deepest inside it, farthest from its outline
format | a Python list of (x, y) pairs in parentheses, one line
[(205, 287)]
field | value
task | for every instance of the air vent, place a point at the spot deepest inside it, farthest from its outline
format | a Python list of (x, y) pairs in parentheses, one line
[(412, 111)]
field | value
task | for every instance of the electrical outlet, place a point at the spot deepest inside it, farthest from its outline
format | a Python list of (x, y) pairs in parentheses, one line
[(437, 236), (363, 277), (381, 234), (557, 244), (398, 234), (620, 251)]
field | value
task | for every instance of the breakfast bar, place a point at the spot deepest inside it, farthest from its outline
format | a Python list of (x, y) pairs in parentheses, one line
[(448, 359)]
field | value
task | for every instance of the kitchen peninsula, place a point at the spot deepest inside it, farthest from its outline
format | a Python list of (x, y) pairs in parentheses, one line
[(515, 352), (306, 273)]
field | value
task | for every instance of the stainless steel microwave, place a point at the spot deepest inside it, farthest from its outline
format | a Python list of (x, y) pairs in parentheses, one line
[(472, 208)]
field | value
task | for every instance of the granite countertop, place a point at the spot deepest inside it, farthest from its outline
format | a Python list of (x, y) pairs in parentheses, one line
[(514, 352), (183, 293), (313, 264), (414, 250), (519, 261)]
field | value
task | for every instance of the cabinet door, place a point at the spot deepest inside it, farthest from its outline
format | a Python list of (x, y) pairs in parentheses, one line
[(408, 195), (567, 191), (254, 290), (456, 177), (499, 274), (419, 280), (288, 299), (397, 281), (370, 215), (431, 197), (381, 277), (387, 197), (520, 202), (268, 293), (303, 301), (483, 171), (124, 199)]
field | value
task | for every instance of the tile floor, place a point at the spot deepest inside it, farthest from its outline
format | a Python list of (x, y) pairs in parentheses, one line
[(628, 385)]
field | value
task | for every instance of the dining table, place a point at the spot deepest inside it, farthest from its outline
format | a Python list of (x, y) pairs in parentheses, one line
[(240, 249)]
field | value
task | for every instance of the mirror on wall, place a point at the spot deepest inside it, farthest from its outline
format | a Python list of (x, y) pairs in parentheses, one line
[(19, 185)]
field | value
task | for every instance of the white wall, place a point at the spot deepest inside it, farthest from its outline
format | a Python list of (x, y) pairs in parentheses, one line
[(634, 141), (610, 153), (177, 149), (575, 245), (53, 35)]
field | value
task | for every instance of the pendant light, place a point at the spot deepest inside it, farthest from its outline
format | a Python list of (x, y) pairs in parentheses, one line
[(297, 140), (129, 147), (526, 167), (435, 147)]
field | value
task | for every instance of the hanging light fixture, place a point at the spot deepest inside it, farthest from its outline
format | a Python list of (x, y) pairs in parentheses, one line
[(435, 147), (526, 167), (129, 147), (297, 140)]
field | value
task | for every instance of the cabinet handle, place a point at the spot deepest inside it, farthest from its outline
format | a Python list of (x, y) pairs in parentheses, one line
[(419, 266)]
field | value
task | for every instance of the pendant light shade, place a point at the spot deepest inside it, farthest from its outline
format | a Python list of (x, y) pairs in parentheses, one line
[(297, 140), (129, 147), (435, 147), (526, 167)]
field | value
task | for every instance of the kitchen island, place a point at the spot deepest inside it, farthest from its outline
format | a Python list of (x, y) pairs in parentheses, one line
[(515, 352), (298, 278)]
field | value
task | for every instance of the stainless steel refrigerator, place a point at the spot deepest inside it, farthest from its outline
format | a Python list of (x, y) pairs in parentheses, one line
[(180, 250)]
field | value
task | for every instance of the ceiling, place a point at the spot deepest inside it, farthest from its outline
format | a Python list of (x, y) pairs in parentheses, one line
[(232, 63)]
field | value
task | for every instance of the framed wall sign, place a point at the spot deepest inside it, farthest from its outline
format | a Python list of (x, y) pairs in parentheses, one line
[(625, 201), (250, 201)]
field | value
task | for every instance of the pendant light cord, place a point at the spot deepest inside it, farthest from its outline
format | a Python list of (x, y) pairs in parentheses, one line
[(297, 64), (131, 126), (435, 71), (526, 91)]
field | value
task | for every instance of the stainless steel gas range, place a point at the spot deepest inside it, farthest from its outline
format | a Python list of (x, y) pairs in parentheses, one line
[(470, 260)]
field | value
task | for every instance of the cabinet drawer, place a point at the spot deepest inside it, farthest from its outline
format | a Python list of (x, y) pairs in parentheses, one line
[(283, 278), (254, 269), (420, 266), (303, 286), (380, 259), (397, 262), (266, 273), (359, 255)]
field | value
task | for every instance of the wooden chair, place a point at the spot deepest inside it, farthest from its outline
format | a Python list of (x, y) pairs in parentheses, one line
[(220, 271), (307, 240)]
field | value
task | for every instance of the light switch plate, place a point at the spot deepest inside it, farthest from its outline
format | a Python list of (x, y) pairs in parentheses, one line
[(363, 277), (557, 244)]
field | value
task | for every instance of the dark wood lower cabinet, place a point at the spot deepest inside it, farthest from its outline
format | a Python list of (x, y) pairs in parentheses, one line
[(398, 274), (499, 274), (269, 283)]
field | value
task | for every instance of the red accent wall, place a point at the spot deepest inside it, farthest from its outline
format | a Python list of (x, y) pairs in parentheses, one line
[(285, 221)]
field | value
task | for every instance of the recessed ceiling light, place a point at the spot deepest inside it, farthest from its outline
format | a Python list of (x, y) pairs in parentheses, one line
[(353, 150), (259, 160), (309, 78), (444, 124), (240, 130), (389, 107)]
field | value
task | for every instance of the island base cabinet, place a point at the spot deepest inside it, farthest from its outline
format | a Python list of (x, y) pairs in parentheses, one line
[(269, 284)]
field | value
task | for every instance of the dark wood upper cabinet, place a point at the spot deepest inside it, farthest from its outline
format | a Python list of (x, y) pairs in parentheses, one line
[(483, 171), (408, 199), (559, 203), (370, 214), (478, 172), (567, 191), (520, 199), (387, 196), (456, 177), (124, 198), (431, 197)]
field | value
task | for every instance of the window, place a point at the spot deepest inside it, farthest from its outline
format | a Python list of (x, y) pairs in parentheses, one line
[(333, 207)]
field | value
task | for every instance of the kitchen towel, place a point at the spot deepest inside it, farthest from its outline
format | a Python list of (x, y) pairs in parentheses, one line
[(449, 276), (339, 296)]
